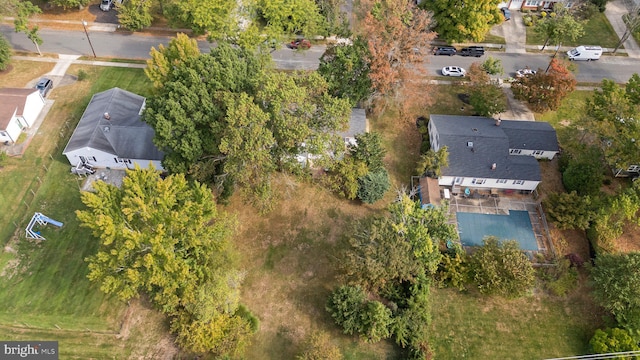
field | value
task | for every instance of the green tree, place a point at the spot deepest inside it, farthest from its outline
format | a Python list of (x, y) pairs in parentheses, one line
[(290, 17), (493, 66), (486, 97), (346, 70), (214, 17), (320, 346), (165, 237), (432, 162), (616, 287), (398, 248), (5, 53), (462, 21), (24, 10), (613, 340), (180, 50), (584, 173), (558, 27), (376, 320), (135, 15), (369, 150), (69, 4), (633, 89), (373, 186), (569, 210), (334, 18), (501, 268), (345, 306), (611, 115)]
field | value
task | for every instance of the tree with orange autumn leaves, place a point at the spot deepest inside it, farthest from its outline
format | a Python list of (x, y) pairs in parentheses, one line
[(397, 33), (545, 90)]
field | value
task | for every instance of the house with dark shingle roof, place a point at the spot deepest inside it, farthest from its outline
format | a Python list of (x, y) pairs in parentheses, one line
[(489, 153), (19, 109), (112, 135)]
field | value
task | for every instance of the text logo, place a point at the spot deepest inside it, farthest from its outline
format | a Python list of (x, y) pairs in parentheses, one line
[(31, 350)]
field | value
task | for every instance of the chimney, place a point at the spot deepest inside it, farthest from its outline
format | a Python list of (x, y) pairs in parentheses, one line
[(107, 116), (498, 121), (493, 166)]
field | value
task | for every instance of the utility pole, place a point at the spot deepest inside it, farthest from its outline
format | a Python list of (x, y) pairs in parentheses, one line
[(84, 25)]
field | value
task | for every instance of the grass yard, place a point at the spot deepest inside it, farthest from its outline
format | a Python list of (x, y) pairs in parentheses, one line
[(597, 31), (470, 326), (43, 286)]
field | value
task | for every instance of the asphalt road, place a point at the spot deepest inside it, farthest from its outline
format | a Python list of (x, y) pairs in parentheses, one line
[(118, 45), (616, 68), (125, 46)]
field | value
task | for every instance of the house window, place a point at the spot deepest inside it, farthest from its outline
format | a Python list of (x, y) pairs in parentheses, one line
[(538, 152), (2, 133), (94, 158), (501, 181), (518, 182), (478, 181), (458, 181), (515, 151), (532, 3)]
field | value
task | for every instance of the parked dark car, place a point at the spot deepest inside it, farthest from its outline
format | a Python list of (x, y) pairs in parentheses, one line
[(476, 51), (445, 50), (44, 85), (300, 44), (507, 13)]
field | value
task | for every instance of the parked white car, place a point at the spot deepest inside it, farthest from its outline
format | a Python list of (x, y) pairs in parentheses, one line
[(525, 72), (106, 5), (453, 71)]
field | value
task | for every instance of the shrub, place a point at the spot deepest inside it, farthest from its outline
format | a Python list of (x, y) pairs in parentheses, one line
[(612, 341), (373, 186), (319, 346), (569, 210), (82, 75), (615, 287), (453, 270), (254, 322), (563, 278), (345, 306), (501, 268), (5, 53), (375, 321)]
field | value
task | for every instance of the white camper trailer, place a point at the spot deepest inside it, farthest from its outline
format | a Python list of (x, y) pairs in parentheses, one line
[(585, 53)]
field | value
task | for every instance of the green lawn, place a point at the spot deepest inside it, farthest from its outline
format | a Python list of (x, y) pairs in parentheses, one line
[(469, 326), (48, 295), (597, 31)]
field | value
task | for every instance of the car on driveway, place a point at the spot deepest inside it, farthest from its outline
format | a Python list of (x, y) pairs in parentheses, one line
[(453, 71), (506, 12), (300, 44), (44, 85), (445, 50), (106, 5), (525, 72)]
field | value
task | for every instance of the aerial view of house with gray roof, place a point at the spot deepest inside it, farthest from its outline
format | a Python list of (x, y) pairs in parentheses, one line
[(489, 153), (112, 135)]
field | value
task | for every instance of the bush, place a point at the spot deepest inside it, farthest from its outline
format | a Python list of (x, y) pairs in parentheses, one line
[(345, 306), (501, 268), (373, 186), (5, 53), (600, 4), (82, 75), (375, 322), (562, 278), (612, 341), (319, 346), (453, 270), (569, 210), (583, 173), (615, 287), (254, 322)]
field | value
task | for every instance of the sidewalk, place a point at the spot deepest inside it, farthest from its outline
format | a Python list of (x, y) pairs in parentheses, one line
[(614, 11)]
